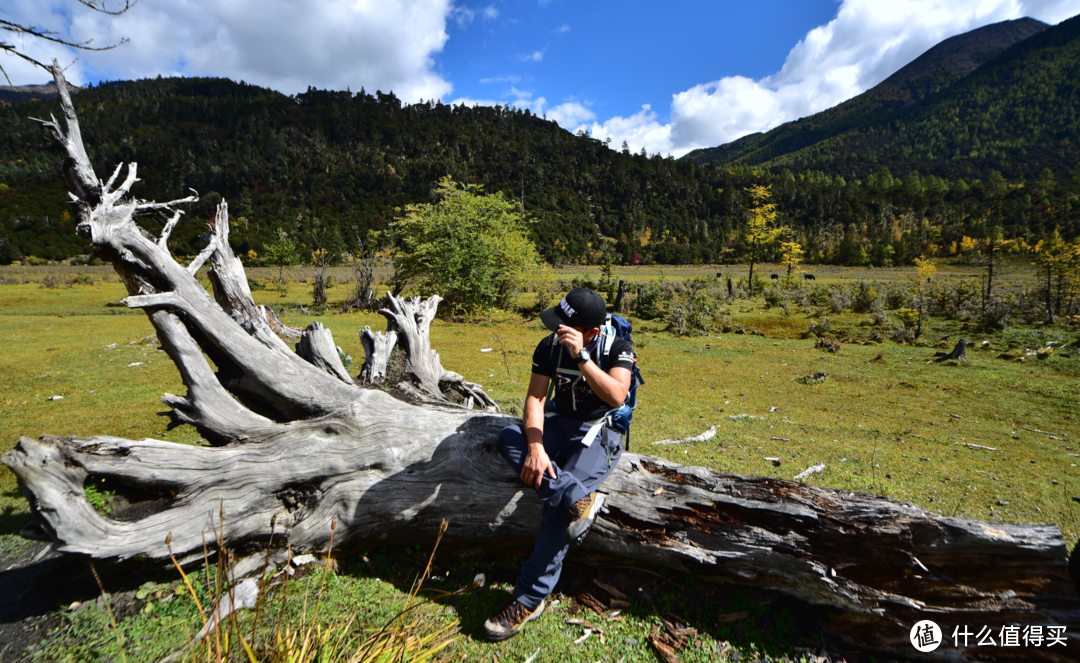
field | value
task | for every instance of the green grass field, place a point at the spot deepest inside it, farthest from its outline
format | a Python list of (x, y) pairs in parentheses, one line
[(885, 421)]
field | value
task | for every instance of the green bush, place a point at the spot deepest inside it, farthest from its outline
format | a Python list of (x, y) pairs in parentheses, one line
[(820, 295), (863, 297), (91, 261), (651, 300), (35, 261), (472, 250), (773, 298)]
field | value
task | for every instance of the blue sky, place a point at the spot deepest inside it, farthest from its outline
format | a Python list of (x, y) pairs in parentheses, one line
[(617, 56), (664, 77)]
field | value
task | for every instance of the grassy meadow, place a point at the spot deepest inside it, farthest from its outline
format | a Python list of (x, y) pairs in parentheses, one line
[(886, 421)]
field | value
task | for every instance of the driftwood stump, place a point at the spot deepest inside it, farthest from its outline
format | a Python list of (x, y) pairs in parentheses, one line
[(959, 352), (305, 446), (617, 307)]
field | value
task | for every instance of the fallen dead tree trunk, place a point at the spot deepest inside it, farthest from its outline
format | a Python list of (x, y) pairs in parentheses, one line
[(304, 446)]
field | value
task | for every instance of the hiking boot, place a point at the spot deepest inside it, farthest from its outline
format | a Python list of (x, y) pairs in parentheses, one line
[(582, 514), (506, 623)]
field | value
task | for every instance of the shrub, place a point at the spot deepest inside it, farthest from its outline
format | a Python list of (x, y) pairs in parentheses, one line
[(996, 314), (82, 279), (650, 301), (877, 309), (90, 261), (772, 298), (863, 297), (819, 328), (820, 295), (698, 316), (896, 296), (903, 335), (839, 300), (473, 250), (35, 261)]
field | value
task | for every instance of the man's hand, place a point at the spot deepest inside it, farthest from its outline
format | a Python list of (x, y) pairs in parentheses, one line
[(536, 463), (571, 338)]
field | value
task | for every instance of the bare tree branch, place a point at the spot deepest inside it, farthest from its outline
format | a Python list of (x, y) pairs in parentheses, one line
[(36, 32)]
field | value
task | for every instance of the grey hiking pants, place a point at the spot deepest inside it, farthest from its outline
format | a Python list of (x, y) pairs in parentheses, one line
[(580, 470)]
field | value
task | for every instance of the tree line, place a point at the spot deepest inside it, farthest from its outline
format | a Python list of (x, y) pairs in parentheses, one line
[(331, 168)]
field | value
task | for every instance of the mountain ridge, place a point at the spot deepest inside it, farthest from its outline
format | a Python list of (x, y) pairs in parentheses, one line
[(938, 68)]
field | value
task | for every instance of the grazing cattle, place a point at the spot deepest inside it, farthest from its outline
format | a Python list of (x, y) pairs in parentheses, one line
[(719, 275), (809, 277), (774, 276)]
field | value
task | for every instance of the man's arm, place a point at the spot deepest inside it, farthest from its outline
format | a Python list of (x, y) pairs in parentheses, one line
[(613, 386), (536, 458)]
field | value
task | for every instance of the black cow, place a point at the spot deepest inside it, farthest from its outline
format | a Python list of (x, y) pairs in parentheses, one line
[(719, 275), (774, 276), (809, 277)]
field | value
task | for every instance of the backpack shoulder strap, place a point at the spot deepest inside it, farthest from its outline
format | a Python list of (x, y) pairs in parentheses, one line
[(607, 339)]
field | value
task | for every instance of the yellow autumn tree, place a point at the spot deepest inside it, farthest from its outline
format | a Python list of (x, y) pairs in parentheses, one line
[(792, 256), (760, 231)]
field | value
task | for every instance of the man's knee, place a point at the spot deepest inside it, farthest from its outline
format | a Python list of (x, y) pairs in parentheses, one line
[(511, 442)]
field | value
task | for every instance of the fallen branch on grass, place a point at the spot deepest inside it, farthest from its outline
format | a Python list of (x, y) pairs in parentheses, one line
[(707, 435), (813, 469)]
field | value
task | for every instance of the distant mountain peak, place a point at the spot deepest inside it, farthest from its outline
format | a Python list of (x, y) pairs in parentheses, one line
[(934, 73), (965, 52)]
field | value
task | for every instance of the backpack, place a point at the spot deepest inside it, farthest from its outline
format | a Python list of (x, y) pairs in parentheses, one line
[(617, 418)]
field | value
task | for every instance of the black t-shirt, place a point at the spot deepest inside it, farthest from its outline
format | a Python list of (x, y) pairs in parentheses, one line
[(573, 397)]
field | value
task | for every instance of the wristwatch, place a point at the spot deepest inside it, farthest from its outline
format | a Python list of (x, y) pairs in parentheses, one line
[(582, 356)]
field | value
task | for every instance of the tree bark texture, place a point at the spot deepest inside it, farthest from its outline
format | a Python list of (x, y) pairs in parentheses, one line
[(304, 445), (959, 352)]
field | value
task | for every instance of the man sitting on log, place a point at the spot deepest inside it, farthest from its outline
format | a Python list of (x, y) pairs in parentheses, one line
[(567, 452)]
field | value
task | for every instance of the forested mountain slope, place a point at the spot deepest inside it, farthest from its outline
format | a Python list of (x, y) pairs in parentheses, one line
[(328, 167), (934, 70), (1016, 112)]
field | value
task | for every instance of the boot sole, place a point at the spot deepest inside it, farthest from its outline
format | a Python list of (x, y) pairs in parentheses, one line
[(499, 637), (584, 524)]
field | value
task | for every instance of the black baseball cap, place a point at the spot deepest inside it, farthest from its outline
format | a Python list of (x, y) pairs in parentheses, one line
[(581, 307)]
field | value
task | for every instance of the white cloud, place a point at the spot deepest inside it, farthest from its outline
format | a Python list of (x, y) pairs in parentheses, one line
[(515, 98), (491, 12), (462, 16), (562, 29), (570, 114), (283, 44), (867, 42), (535, 56), (506, 78), (639, 130)]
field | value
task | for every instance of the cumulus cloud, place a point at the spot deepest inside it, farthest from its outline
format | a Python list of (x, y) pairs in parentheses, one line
[(535, 56), (562, 29), (462, 16), (286, 45), (864, 44), (640, 130), (513, 97), (570, 114), (491, 12), (506, 78)]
